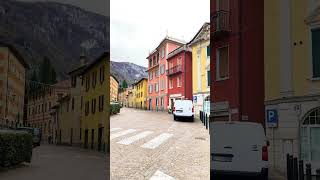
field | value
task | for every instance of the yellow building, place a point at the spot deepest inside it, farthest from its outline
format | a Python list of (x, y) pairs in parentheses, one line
[(292, 80), (12, 86), (141, 93), (132, 96), (96, 110), (200, 46), (114, 87)]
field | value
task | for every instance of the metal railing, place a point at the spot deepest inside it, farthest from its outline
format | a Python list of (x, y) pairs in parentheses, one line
[(220, 21), (174, 70)]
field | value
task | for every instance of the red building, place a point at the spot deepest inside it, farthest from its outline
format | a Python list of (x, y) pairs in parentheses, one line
[(157, 98), (179, 74), (237, 60)]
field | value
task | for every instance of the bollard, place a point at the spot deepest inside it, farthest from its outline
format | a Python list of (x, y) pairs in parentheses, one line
[(301, 170), (318, 174), (289, 167), (295, 169), (201, 116), (206, 121), (308, 172)]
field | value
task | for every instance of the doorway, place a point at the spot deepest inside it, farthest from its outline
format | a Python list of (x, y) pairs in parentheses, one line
[(100, 138), (86, 138), (92, 138)]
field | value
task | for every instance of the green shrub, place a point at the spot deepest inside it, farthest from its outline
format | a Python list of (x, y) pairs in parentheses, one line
[(15, 147), (115, 108)]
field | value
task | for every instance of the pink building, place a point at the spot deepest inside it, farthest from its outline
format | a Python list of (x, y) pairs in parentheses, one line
[(157, 98)]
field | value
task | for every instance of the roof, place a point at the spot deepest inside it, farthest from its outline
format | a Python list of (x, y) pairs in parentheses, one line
[(114, 77), (141, 79), (178, 50), (77, 70), (63, 84), (100, 58), (170, 39), (16, 53), (194, 38)]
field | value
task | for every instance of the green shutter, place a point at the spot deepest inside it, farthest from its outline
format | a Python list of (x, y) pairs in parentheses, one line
[(316, 52), (208, 50), (209, 77)]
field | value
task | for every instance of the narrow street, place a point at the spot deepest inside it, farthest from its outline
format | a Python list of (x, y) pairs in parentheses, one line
[(52, 162), (151, 145)]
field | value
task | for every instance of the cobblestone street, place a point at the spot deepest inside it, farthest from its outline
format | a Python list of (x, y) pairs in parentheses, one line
[(52, 162), (151, 145)]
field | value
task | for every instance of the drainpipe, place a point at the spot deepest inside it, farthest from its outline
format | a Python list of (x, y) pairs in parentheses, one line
[(240, 59)]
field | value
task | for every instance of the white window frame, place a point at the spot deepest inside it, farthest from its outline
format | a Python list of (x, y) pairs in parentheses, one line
[(170, 84), (179, 79), (312, 27), (218, 78)]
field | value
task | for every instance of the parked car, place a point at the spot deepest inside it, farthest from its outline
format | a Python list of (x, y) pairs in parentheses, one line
[(238, 148), (36, 134), (183, 109)]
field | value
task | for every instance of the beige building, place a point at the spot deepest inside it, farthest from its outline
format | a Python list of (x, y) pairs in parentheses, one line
[(114, 86), (12, 86), (39, 107)]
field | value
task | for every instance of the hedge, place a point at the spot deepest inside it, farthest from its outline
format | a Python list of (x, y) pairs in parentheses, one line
[(115, 108), (15, 147)]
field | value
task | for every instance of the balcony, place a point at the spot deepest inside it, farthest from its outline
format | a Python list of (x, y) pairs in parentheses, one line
[(174, 70), (220, 24)]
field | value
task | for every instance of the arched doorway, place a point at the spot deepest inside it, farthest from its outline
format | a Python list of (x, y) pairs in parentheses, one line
[(309, 138)]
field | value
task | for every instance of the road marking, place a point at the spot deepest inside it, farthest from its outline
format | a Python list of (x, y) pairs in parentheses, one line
[(135, 138), (161, 176), (115, 129), (121, 133), (157, 141)]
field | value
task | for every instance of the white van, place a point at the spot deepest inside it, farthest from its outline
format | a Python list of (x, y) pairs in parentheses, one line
[(238, 148), (183, 109)]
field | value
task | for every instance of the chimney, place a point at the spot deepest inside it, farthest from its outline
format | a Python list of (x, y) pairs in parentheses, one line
[(83, 60)]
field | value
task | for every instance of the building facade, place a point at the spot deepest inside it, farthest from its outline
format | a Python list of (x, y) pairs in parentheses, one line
[(40, 103), (237, 86), (12, 86), (157, 79), (141, 93), (179, 74), (114, 88), (131, 96), (96, 98), (200, 45), (292, 74)]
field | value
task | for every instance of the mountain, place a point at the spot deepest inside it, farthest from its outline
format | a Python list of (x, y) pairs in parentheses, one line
[(59, 31), (127, 71)]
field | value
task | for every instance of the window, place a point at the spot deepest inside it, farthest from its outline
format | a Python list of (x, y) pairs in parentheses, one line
[(150, 75), (102, 74), (222, 63), (150, 88), (101, 103), (170, 84), (94, 79), (316, 53), (87, 107), (87, 82), (150, 62), (157, 73), (162, 84), (93, 106), (162, 69), (72, 106), (179, 81), (162, 53), (208, 77), (156, 87), (179, 60)]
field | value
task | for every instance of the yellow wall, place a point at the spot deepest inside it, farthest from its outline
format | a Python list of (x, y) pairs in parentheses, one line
[(141, 87), (132, 98), (195, 77), (98, 119), (301, 54), (114, 86)]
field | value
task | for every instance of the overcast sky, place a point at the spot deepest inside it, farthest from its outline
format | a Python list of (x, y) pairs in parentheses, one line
[(98, 6), (137, 27)]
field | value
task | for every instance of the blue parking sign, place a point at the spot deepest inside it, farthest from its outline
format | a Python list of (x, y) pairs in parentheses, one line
[(272, 118)]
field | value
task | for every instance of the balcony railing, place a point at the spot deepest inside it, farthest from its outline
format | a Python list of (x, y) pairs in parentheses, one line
[(220, 23), (174, 70)]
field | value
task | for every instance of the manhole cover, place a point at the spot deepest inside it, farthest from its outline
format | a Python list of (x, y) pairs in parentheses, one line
[(200, 138)]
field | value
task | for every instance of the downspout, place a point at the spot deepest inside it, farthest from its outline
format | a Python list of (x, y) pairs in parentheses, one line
[(240, 60)]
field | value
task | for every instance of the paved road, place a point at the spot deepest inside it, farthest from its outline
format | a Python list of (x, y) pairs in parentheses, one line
[(52, 162), (150, 145)]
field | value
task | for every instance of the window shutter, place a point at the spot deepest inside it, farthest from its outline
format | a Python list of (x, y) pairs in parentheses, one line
[(316, 53)]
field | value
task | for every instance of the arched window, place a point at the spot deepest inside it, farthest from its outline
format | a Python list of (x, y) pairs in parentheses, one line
[(309, 136)]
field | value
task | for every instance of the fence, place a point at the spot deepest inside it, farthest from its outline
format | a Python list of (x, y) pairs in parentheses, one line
[(295, 170), (204, 117)]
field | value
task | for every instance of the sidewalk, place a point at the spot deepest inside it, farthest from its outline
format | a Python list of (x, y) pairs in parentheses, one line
[(276, 175)]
